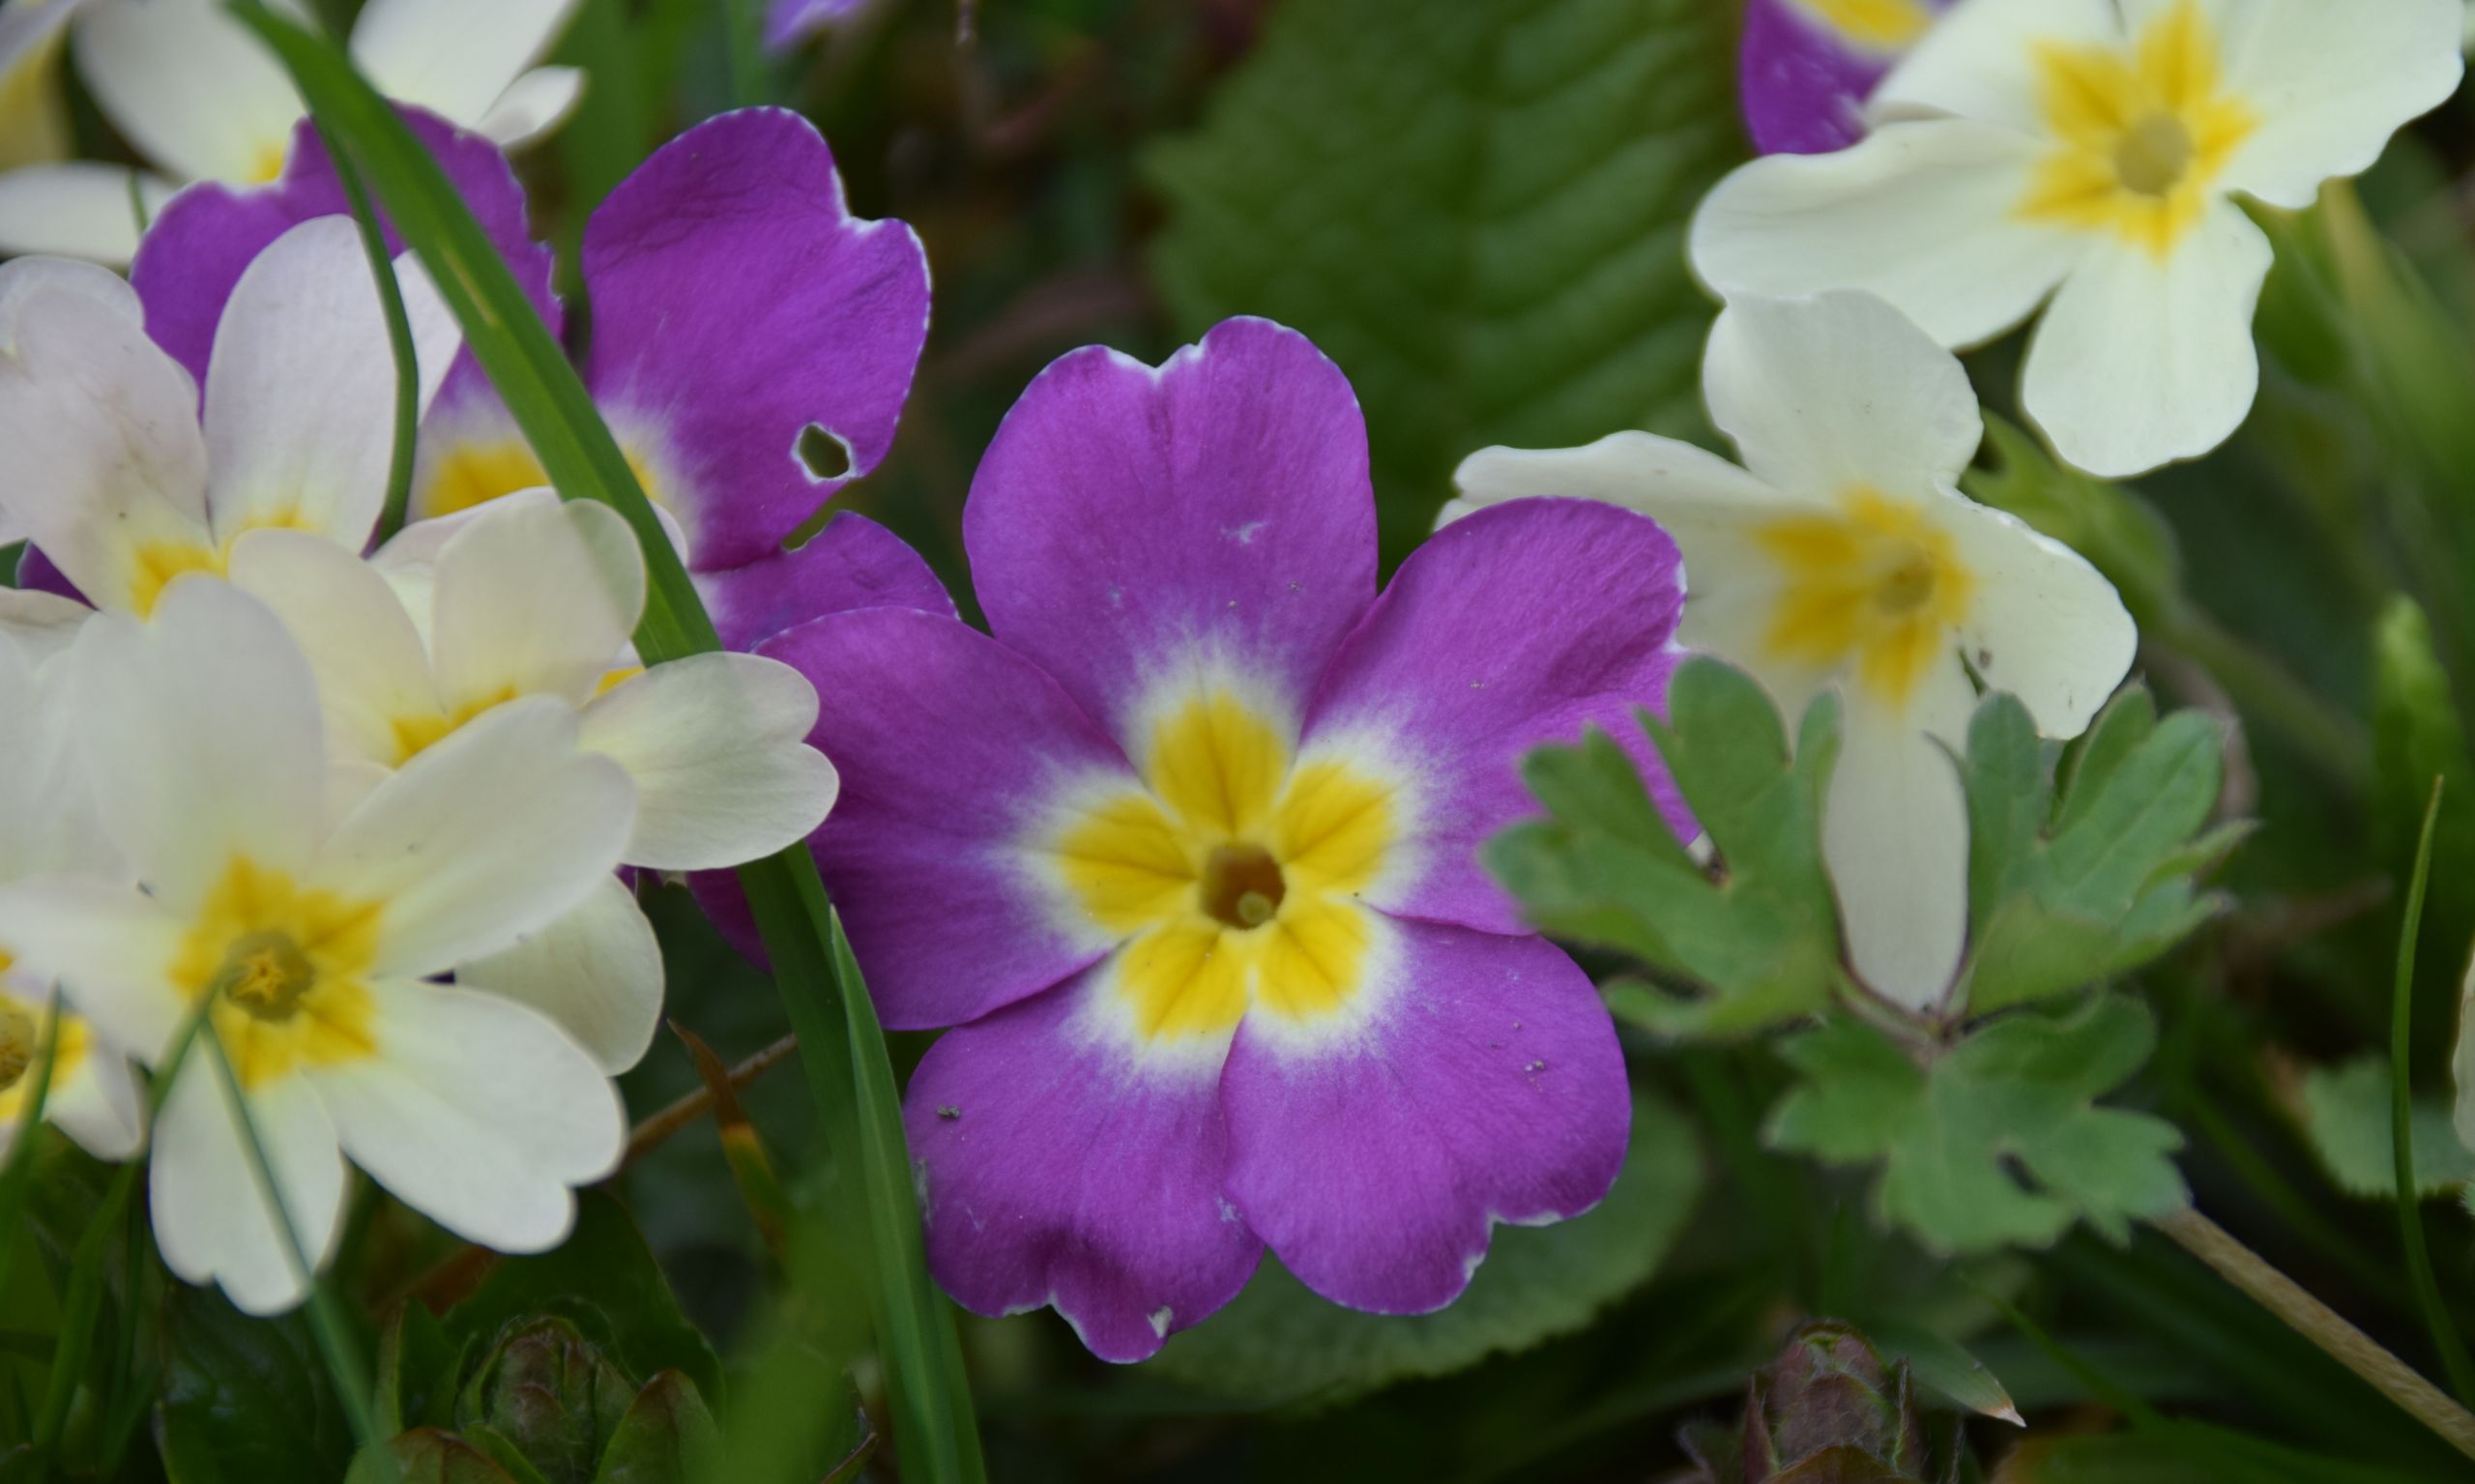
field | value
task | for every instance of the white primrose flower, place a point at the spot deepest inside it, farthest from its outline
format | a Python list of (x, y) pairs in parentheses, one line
[(2090, 152), (529, 597), (309, 914), (117, 478), (1842, 556), (49, 827), (202, 98)]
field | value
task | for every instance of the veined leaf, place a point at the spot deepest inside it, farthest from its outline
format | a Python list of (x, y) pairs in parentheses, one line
[(1478, 208)]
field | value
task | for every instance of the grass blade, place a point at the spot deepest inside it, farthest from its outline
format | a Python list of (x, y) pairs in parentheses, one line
[(840, 1042), (400, 341), (2410, 1216)]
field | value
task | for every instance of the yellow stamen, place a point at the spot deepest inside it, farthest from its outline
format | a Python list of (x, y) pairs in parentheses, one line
[(1874, 582), (289, 966)]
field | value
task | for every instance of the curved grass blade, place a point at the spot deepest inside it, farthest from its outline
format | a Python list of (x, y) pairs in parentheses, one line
[(2410, 1216), (399, 340), (841, 1041)]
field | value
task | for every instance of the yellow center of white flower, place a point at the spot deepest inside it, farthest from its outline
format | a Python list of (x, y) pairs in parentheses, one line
[(1234, 872), (18, 1044), (1878, 25), (289, 969), (471, 472), (153, 564), (1876, 584), (22, 1038), (2143, 132)]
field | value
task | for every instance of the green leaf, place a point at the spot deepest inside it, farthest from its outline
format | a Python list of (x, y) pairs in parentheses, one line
[(2347, 1116), (666, 1437), (415, 1370), (2073, 883), (1947, 1133), (2419, 735), (1279, 1343), (843, 1048), (604, 1281), (427, 1456), (1762, 935), (1945, 1367), (245, 1399), (1476, 209)]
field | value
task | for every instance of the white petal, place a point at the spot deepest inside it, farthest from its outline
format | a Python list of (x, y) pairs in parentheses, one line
[(104, 454), (300, 392), (1922, 213), (532, 107), (455, 57), (2330, 83), (33, 115), (2042, 624), (2140, 362), (189, 86), (1895, 833), (483, 837), (78, 209), (97, 1104), (1826, 393), (596, 972), (111, 951), (478, 1112), (212, 1215), (40, 624), (372, 671), (1637, 471), (534, 598), (717, 745), (2461, 1060), (204, 739), (1979, 61)]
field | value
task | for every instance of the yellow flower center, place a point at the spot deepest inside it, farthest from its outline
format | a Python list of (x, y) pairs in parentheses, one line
[(153, 564), (1878, 25), (1233, 874), (420, 731), (2142, 131), (476, 471), (289, 968), (22, 1038), (1875, 583)]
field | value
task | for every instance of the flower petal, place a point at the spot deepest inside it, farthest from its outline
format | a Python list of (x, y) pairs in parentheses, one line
[(532, 107), (1895, 834), (1804, 81), (189, 85), (77, 209), (596, 972), (2329, 84), (1216, 509), (455, 57), (1980, 61), (853, 563), (372, 671), (2043, 623), (717, 745), (204, 739), (105, 452), (111, 951), (2138, 361), (788, 22), (535, 597), (1484, 1084), (97, 1104), (488, 834), (301, 391), (212, 1215), (207, 237), (1921, 213), (737, 303), (1056, 1169), (950, 769), (478, 1112), (1838, 390), (1524, 625), (40, 624)]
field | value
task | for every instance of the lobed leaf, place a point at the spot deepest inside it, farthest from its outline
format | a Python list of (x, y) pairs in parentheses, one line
[(2345, 1113)]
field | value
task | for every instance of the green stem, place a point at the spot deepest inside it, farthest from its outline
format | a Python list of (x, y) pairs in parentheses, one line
[(17, 1170), (2411, 1215), (399, 340)]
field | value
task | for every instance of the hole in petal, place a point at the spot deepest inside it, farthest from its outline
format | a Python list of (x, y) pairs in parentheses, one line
[(824, 453)]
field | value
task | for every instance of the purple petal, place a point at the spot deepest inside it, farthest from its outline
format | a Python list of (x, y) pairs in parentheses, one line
[(1804, 81), (208, 234), (1485, 1085), (788, 22), (1055, 1171), (35, 574), (952, 750), (1127, 521), (1524, 624), (736, 303), (853, 563)]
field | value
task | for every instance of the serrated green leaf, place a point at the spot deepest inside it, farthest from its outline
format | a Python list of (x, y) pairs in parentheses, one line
[(1478, 208), (2022, 1090), (2082, 869), (2347, 1118), (1763, 937), (1279, 1343)]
